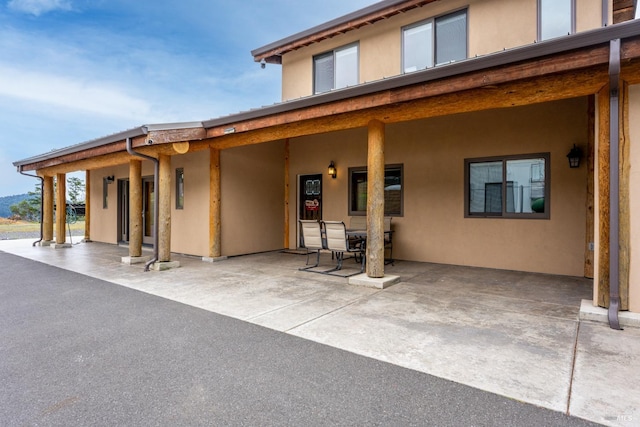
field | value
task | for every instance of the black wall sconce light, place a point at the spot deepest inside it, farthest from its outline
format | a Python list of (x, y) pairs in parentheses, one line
[(333, 172), (110, 179), (574, 156)]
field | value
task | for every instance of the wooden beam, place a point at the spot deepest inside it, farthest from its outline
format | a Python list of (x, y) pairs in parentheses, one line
[(590, 220), (135, 208), (87, 206), (47, 209), (181, 147), (375, 199), (175, 135), (624, 196), (602, 287), (164, 209), (61, 208), (215, 231), (531, 91), (286, 194)]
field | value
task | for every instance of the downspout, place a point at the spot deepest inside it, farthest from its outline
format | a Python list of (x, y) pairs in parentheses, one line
[(605, 13), (41, 202), (156, 200), (614, 184)]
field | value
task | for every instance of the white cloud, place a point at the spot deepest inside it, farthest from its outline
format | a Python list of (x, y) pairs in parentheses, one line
[(85, 96), (38, 7)]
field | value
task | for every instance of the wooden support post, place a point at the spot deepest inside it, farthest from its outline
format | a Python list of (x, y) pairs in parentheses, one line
[(135, 208), (61, 208), (87, 206), (286, 194), (215, 233), (625, 208), (164, 209), (47, 210), (375, 200), (589, 232), (602, 287)]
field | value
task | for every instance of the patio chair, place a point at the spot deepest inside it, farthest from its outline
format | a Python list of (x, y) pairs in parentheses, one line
[(311, 236), (337, 242)]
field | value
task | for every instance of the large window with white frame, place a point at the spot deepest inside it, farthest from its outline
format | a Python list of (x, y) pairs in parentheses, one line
[(556, 18), (434, 41), (335, 69), (508, 186)]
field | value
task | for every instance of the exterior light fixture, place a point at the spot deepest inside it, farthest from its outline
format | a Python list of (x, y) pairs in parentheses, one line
[(110, 179), (332, 170), (574, 156)]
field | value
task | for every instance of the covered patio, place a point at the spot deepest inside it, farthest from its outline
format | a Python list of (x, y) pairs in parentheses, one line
[(512, 333)]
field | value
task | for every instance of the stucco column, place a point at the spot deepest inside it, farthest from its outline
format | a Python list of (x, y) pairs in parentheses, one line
[(215, 234), (87, 206), (164, 209), (375, 200), (61, 208), (47, 211), (135, 208)]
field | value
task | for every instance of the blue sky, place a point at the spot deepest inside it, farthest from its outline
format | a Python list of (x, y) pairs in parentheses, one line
[(75, 70)]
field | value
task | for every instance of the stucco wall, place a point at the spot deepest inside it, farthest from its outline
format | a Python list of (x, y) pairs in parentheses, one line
[(493, 25), (634, 197), (433, 227), (104, 222), (252, 198), (190, 226)]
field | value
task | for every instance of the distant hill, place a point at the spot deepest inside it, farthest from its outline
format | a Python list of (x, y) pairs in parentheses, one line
[(7, 201)]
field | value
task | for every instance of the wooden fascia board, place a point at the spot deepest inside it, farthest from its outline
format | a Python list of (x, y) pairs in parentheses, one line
[(575, 60), (340, 28), (162, 141), (530, 91)]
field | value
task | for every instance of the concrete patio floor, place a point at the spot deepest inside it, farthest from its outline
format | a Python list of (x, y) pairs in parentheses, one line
[(511, 333)]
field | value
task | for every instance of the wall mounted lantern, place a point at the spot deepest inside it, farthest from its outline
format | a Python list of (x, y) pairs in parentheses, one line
[(110, 179), (332, 170), (574, 156)]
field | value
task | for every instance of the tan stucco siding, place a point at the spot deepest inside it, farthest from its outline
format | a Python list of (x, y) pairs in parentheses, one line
[(433, 227), (634, 198), (252, 194), (104, 226), (493, 25), (190, 226), (104, 222)]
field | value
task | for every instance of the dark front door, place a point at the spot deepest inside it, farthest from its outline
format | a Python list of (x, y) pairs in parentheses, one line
[(123, 210), (310, 197)]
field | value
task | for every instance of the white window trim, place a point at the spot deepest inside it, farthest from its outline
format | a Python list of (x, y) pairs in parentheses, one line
[(432, 21), (333, 51), (539, 19)]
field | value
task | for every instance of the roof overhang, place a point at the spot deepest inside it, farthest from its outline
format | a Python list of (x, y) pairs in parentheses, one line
[(569, 54), (272, 53)]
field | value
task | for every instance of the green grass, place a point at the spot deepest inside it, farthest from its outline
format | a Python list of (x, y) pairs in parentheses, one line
[(8, 226)]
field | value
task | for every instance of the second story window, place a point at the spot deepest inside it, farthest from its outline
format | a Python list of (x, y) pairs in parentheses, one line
[(335, 69), (435, 41), (556, 18)]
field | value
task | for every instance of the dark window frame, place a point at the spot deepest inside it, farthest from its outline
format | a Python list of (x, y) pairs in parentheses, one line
[(434, 38), (105, 192), (179, 188), (504, 199), (332, 54), (360, 169)]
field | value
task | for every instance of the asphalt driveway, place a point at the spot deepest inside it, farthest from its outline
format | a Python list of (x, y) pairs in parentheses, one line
[(75, 350)]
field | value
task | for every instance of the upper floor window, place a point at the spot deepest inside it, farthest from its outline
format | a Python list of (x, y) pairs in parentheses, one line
[(509, 186), (556, 18), (439, 40), (335, 69)]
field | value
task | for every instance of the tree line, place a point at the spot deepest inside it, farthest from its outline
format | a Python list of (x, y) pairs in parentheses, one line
[(29, 208)]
